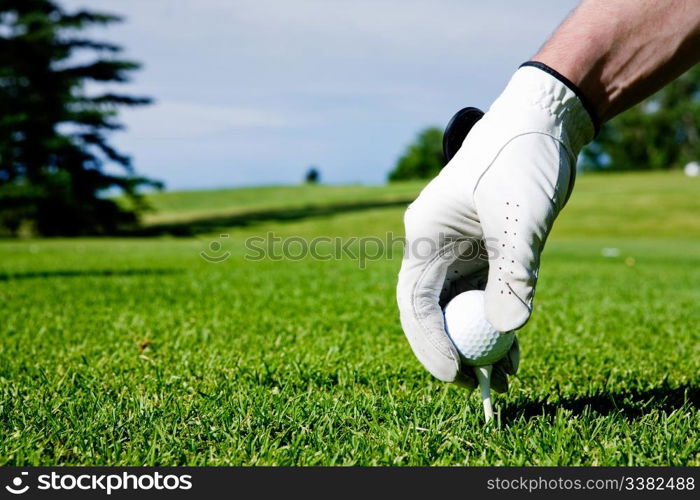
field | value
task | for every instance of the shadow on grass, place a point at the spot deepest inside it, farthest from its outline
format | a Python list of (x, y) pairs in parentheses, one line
[(214, 224), (632, 404), (77, 273)]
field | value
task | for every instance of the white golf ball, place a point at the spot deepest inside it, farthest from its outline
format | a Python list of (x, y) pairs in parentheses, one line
[(477, 341)]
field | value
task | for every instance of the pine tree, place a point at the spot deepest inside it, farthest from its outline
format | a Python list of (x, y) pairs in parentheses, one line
[(53, 144)]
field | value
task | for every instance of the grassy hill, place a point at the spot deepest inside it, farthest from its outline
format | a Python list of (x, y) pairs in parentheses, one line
[(184, 206), (654, 204), (130, 351)]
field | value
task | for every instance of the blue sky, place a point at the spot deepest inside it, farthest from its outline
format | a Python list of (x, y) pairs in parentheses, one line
[(252, 92)]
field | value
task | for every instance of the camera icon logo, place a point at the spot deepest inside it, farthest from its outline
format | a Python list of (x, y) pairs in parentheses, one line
[(215, 254), (16, 488)]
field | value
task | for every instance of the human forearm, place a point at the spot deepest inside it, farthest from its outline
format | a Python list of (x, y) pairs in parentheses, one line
[(618, 52)]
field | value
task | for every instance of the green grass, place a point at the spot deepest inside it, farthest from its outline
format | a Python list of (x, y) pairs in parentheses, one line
[(137, 351), (183, 206)]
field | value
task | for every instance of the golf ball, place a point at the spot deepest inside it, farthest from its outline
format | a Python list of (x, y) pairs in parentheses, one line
[(477, 341)]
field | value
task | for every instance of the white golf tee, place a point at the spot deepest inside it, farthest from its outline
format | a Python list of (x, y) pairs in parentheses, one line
[(483, 374)]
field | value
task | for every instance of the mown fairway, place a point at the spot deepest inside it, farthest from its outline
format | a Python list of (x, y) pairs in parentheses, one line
[(135, 351)]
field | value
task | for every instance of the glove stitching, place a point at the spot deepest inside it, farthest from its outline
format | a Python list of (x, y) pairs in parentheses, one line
[(528, 307), (498, 153), (551, 201)]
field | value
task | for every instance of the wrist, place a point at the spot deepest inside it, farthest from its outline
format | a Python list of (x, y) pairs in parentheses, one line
[(582, 71), (575, 88), (537, 101)]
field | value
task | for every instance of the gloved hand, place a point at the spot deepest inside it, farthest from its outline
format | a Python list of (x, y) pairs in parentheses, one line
[(483, 221)]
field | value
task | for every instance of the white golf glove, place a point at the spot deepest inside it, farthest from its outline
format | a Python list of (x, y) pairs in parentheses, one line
[(483, 221)]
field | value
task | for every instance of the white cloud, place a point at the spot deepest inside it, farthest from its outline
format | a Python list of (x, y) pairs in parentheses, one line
[(191, 120)]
